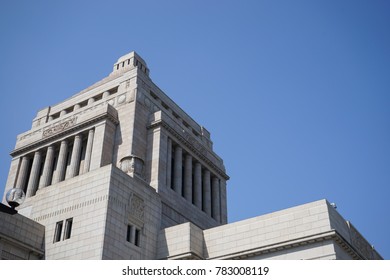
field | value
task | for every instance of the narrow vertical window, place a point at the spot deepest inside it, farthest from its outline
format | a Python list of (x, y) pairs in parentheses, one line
[(182, 176), (128, 235), (58, 231), (172, 168), (68, 228), (193, 184), (137, 237)]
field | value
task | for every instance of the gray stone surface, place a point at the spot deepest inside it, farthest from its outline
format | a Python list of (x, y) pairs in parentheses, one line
[(20, 237), (120, 171)]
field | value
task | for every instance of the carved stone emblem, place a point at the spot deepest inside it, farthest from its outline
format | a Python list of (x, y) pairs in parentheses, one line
[(59, 127), (137, 206)]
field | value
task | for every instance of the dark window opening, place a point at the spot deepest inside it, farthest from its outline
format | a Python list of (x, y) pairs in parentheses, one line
[(128, 235), (98, 97), (68, 228), (182, 175), (137, 237), (172, 168), (133, 235), (58, 231)]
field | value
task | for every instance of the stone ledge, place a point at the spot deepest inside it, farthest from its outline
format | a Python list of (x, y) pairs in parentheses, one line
[(106, 112)]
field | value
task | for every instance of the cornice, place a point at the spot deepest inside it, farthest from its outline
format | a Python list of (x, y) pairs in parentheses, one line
[(201, 152), (284, 245), (294, 243), (109, 114)]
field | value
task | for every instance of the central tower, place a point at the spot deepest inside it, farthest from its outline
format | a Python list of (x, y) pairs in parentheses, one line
[(111, 166)]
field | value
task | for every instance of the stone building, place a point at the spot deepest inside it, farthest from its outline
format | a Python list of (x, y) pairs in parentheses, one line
[(20, 237), (119, 171)]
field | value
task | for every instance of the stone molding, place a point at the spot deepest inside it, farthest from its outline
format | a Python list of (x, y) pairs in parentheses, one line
[(73, 207), (12, 240), (188, 142), (361, 245), (9, 256), (107, 113), (116, 100), (295, 243)]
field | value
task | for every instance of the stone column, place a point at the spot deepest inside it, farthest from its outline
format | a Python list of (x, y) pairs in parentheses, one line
[(188, 177), (198, 185), (177, 180), (47, 168), (88, 151), (169, 163), (34, 174), (61, 163), (132, 234), (75, 158), (206, 192), (216, 202), (23, 173)]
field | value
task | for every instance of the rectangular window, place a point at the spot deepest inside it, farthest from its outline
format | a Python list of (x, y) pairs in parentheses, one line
[(133, 235), (172, 169), (68, 228), (137, 236), (128, 235), (58, 231)]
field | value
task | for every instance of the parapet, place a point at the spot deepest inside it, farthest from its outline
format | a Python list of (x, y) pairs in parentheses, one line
[(130, 61)]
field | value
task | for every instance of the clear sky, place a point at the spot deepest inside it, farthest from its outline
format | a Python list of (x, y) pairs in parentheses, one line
[(296, 94)]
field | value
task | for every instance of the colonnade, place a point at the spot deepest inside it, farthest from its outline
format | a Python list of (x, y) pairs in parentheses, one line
[(55, 163), (188, 178)]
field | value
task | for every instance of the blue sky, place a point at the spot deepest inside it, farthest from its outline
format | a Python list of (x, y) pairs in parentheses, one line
[(296, 94)]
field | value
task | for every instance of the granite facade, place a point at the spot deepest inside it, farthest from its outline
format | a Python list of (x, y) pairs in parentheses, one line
[(120, 171)]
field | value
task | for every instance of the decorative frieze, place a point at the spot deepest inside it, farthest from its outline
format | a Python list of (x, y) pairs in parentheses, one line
[(62, 126), (76, 123)]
